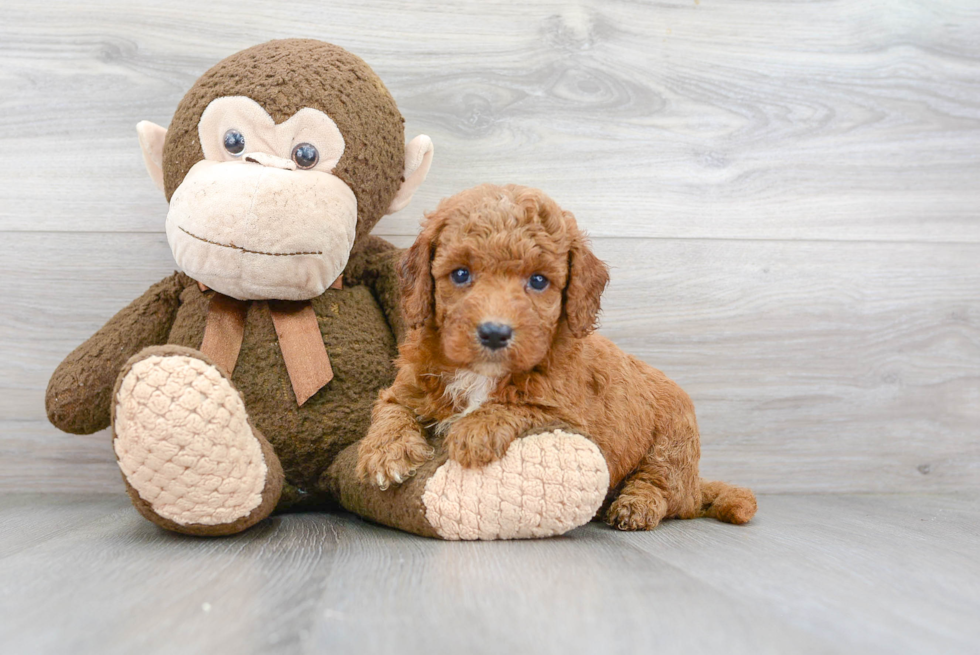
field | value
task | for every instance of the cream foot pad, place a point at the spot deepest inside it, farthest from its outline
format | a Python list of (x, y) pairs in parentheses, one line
[(184, 444), (545, 485)]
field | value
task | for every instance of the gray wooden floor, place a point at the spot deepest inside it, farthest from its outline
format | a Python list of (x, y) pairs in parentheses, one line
[(812, 574)]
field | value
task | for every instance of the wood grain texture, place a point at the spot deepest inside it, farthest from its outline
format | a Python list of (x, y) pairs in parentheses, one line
[(814, 366), (786, 191), (749, 118), (825, 574)]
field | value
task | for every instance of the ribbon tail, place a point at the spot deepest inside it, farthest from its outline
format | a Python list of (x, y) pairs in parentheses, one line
[(224, 331), (302, 347)]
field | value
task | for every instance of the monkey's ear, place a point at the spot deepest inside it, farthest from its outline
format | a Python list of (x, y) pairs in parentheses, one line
[(418, 159), (152, 137)]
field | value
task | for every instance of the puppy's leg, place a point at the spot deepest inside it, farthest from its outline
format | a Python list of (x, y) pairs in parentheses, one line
[(664, 485), (482, 437), (642, 500), (728, 503), (395, 445), (662, 488)]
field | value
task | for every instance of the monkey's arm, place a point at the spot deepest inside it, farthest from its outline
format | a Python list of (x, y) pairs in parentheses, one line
[(376, 265), (79, 395)]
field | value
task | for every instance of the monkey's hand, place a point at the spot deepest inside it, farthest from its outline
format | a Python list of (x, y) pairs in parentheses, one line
[(79, 396)]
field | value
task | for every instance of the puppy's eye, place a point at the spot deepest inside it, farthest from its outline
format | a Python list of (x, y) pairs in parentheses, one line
[(460, 276), (305, 155), (537, 282), (234, 142)]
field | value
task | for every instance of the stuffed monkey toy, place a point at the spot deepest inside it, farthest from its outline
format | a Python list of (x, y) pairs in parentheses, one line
[(240, 386)]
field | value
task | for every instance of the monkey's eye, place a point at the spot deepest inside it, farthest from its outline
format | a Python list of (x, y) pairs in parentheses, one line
[(537, 282), (234, 142), (460, 276), (305, 155)]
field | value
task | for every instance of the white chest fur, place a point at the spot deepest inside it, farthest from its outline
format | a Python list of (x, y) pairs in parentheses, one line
[(468, 390)]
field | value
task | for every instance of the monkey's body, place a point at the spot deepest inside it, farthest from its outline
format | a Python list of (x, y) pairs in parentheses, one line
[(306, 439)]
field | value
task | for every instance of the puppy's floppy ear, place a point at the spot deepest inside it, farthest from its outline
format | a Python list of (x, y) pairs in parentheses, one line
[(587, 278), (416, 276)]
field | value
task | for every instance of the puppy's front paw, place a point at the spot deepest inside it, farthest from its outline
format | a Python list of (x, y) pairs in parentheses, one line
[(384, 461), (475, 442)]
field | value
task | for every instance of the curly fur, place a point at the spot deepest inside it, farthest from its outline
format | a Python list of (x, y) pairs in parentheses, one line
[(554, 370)]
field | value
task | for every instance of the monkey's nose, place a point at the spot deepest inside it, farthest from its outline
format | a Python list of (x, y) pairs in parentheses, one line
[(494, 335), (271, 161)]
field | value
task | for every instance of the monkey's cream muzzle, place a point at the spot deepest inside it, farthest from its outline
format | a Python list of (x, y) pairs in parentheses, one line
[(253, 229)]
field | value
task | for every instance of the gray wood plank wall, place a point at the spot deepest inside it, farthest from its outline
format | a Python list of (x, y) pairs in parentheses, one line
[(788, 194)]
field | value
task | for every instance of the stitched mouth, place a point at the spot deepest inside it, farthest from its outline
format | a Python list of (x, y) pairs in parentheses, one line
[(251, 252)]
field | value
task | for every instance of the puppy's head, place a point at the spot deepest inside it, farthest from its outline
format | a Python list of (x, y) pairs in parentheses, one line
[(499, 272)]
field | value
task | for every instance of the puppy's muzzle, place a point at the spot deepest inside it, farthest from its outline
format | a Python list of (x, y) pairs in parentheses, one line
[(494, 336)]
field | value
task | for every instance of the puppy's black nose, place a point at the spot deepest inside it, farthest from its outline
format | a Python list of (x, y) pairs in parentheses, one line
[(494, 335)]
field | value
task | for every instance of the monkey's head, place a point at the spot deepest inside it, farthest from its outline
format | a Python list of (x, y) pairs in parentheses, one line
[(277, 162)]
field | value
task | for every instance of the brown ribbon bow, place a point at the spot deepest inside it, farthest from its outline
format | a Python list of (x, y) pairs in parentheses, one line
[(299, 336)]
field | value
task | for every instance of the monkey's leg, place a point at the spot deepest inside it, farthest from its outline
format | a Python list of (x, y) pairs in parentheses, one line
[(191, 459), (545, 485)]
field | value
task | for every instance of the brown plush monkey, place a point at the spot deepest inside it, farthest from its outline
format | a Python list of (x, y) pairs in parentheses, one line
[(236, 387)]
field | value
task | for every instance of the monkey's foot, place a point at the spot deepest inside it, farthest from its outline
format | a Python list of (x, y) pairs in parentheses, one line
[(191, 460), (545, 485)]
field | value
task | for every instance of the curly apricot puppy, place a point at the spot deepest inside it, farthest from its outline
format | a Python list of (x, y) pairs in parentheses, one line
[(503, 294)]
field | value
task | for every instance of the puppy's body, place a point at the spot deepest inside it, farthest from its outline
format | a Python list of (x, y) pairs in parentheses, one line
[(538, 364)]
